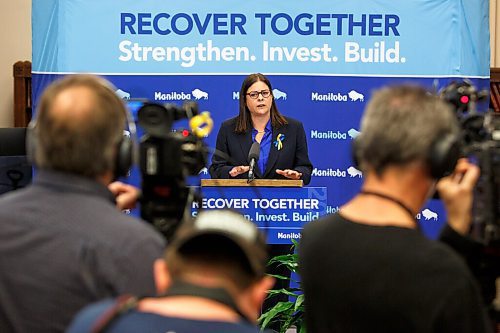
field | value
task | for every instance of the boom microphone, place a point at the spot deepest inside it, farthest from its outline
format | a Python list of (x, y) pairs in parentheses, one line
[(253, 157)]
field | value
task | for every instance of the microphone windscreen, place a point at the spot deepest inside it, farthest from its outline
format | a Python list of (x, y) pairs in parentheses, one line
[(254, 152)]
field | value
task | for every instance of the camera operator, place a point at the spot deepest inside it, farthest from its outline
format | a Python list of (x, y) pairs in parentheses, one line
[(369, 267), (64, 243), (212, 279)]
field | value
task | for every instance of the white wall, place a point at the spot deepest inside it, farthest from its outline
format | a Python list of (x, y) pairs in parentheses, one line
[(15, 45)]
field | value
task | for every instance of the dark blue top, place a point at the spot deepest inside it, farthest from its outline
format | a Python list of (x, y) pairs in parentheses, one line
[(145, 322), (265, 145)]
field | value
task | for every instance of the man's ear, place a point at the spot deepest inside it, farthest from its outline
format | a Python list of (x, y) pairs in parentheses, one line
[(162, 276), (261, 288)]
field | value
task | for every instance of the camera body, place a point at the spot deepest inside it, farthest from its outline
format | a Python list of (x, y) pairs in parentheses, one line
[(481, 144), (166, 158), (486, 208)]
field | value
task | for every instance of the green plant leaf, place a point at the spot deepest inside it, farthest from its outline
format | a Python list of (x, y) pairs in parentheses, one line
[(283, 259), (281, 277), (286, 325), (280, 307), (282, 291), (298, 302), (291, 313)]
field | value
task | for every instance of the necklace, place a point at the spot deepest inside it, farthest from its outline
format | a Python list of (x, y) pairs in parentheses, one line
[(396, 201), (261, 131)]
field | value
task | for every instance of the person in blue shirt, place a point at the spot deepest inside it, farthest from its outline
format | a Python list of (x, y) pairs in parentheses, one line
[(212, 279), (283, 144)]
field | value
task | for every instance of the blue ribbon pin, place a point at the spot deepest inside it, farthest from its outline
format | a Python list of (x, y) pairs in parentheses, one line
[(279, 141)]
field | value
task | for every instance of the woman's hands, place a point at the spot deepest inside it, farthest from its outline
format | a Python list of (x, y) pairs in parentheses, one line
[(290, 174), (238, 170)]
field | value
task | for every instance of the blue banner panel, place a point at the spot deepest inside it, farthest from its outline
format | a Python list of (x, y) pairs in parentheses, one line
[(280, 212), (357, 37)]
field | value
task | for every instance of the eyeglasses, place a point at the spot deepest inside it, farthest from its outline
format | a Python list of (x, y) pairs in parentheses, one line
[(255, 94)]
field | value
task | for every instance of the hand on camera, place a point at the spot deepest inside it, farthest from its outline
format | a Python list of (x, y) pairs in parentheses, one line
[(238, 170), (456, 191), (126, 195), (290, 174)]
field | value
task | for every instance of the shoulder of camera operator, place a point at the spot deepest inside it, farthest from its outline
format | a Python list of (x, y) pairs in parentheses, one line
[(419, 137), (74, 142), (212, 276)]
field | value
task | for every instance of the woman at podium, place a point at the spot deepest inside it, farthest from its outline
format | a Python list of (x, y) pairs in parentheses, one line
[(281, 152)]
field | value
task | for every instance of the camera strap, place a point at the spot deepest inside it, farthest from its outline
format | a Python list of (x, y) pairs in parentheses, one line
[(127, 303), (394, 200), (217, 294)]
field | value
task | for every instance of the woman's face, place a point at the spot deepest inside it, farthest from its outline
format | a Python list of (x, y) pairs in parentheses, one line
[(256, 102)]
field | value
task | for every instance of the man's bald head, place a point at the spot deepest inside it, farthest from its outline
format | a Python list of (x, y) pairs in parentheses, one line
[(79, 123)]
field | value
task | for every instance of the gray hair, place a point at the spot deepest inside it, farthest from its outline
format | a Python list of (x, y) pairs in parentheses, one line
[(84, 144), (399, 126)]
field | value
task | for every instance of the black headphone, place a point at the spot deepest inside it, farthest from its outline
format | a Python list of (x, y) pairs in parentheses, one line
[(441, 159), (125, 151), (124, 155)]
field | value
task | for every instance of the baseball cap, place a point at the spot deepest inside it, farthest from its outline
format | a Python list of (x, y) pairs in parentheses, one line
[(224, 228)]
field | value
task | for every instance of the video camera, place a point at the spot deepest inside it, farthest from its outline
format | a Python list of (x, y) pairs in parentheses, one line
[(166, 158), (481, 144)]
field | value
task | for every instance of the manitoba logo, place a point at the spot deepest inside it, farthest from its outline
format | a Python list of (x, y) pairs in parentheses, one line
[(332, 210), (337, 173), (203, 171), (334, 135), (352, 96), (172, 96), (328, 135)]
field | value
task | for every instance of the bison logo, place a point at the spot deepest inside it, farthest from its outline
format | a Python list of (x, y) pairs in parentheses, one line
[(353, 133), (353, 172), (122, 94), (278, 94), (429, 214), (356, 96), (199, 94)]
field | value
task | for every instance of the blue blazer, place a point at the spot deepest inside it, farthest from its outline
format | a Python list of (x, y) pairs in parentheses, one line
[(293, 154)]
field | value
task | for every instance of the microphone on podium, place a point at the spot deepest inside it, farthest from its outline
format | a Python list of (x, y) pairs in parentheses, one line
[(253, 157)]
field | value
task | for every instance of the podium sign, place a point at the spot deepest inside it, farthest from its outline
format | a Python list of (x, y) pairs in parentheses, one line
[(279, 212)]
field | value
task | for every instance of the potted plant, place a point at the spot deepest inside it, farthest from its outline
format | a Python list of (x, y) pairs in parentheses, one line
[(288, 314)]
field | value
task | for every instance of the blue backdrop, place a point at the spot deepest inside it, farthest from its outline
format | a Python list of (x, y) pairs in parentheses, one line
[(324, 60)]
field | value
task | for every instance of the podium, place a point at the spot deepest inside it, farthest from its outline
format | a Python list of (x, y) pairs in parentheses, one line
[(279, 207), (255, 182)]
